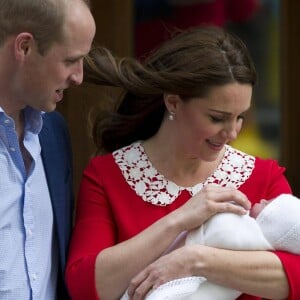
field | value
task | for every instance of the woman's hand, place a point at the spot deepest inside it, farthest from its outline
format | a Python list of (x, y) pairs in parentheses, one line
[(210, 200), (168, 267)]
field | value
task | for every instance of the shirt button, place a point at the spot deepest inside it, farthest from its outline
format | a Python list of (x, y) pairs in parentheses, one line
[(29, 232), (34, 277), (12, 149), (6, 121)]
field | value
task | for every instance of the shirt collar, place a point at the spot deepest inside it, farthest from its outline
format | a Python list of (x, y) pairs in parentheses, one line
[(33, 119)]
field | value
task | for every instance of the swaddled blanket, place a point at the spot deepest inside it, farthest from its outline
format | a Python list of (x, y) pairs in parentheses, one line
[(276, 227)]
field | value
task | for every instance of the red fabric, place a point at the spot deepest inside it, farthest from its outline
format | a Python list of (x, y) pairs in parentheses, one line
[(109, 212)]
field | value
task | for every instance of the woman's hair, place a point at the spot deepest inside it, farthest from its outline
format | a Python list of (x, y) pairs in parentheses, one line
[(188, 65), (44, 19)]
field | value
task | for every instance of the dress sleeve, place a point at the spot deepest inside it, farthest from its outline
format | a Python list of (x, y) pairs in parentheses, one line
[(93, 218), (269, 181), (291, 265), (278, 182)]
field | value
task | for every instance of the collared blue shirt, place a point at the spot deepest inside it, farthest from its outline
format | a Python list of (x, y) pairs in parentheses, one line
[(28, 256)]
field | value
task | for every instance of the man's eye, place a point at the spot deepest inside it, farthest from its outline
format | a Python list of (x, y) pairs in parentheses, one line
[(71, 61)]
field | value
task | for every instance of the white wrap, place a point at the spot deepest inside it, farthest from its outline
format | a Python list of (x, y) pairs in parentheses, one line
[(276, 227), (280, 223)]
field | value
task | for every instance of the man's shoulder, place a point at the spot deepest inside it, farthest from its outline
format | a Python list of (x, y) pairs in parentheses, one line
[(54, 126), (54, 118)]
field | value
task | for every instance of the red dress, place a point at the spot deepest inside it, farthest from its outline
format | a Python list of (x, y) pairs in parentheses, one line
[(120, 195)]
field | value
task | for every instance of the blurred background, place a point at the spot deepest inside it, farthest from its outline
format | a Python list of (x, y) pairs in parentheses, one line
[(269, 28), (257, 23)]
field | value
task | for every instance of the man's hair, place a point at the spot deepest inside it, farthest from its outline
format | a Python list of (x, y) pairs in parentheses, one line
[(44, 19)]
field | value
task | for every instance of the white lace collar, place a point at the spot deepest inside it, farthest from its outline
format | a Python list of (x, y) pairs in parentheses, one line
[(234, 169)]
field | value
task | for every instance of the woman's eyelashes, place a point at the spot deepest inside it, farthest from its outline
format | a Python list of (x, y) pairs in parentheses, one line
[(217, 119), (220, 119)]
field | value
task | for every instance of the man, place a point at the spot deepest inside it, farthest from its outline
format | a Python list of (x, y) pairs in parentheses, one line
[(42, 45)]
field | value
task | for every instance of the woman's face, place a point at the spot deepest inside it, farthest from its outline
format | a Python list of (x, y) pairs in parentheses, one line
[(204, 125)]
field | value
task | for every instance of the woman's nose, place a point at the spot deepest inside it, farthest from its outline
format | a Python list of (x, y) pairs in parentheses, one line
[(232, 130)]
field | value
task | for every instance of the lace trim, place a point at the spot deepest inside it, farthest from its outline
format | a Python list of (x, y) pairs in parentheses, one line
[(177, 289), (234, 169)]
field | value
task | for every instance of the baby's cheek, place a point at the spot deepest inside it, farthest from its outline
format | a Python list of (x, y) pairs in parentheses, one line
[(255, 210)]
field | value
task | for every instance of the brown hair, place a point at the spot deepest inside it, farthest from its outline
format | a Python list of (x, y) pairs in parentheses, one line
[(43, 18), (188, 65)]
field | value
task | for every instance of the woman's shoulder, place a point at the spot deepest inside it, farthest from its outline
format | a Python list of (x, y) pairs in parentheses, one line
[(120, 159), (266, 179), (258, 163), (101, 158), (100, 163), (268, 164)]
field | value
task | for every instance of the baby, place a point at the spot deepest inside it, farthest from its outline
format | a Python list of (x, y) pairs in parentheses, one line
[(271, 225)]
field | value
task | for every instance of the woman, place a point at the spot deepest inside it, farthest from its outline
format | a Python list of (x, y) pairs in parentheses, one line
[(168, 168)]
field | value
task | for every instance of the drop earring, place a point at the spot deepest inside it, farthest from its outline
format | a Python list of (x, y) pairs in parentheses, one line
[(171, 116)]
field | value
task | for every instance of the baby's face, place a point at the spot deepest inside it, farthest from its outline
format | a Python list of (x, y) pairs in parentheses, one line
[(258, 207)]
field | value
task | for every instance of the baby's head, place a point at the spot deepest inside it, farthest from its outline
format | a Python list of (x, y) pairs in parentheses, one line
[(258, 207), (279, 220)]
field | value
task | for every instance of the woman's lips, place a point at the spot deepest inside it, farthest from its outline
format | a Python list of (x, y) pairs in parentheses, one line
[(217, 146)]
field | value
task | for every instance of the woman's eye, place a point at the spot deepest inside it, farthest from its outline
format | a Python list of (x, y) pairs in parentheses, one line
[(216, 119)]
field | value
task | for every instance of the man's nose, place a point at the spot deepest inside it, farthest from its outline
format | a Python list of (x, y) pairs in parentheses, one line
[(77, 74)]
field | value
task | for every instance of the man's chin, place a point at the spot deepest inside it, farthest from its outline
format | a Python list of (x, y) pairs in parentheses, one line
[(48, 108)]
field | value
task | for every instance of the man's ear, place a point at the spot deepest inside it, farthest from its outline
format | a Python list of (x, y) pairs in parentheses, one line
[(24, 42), (171, 102)]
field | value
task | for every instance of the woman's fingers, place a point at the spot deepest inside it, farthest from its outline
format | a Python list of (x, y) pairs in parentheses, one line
[(165, 268), (212, 199), (233, 200), (216, 194), (139, 286)]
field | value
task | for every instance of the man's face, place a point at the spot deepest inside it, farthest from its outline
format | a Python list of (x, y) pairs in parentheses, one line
[(43, 78)]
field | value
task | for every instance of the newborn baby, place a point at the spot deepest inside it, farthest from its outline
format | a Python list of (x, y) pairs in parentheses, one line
[(271, 225)]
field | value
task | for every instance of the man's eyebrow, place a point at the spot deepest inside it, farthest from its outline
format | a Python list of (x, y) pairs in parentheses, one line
[(75, 57)]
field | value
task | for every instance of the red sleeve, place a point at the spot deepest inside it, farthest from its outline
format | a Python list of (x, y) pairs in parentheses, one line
[(93, 218), (291, 264), (268, 181)]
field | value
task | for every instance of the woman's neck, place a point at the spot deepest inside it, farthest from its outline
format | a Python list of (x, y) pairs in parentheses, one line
[(169, 159)]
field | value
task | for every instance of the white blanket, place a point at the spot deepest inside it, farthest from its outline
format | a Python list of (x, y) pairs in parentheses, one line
[(279, 222)]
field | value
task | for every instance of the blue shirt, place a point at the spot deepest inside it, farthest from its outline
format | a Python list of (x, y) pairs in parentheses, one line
[(28, 256)]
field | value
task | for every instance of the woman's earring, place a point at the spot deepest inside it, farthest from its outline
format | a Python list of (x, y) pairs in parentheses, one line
[(171, 116)]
